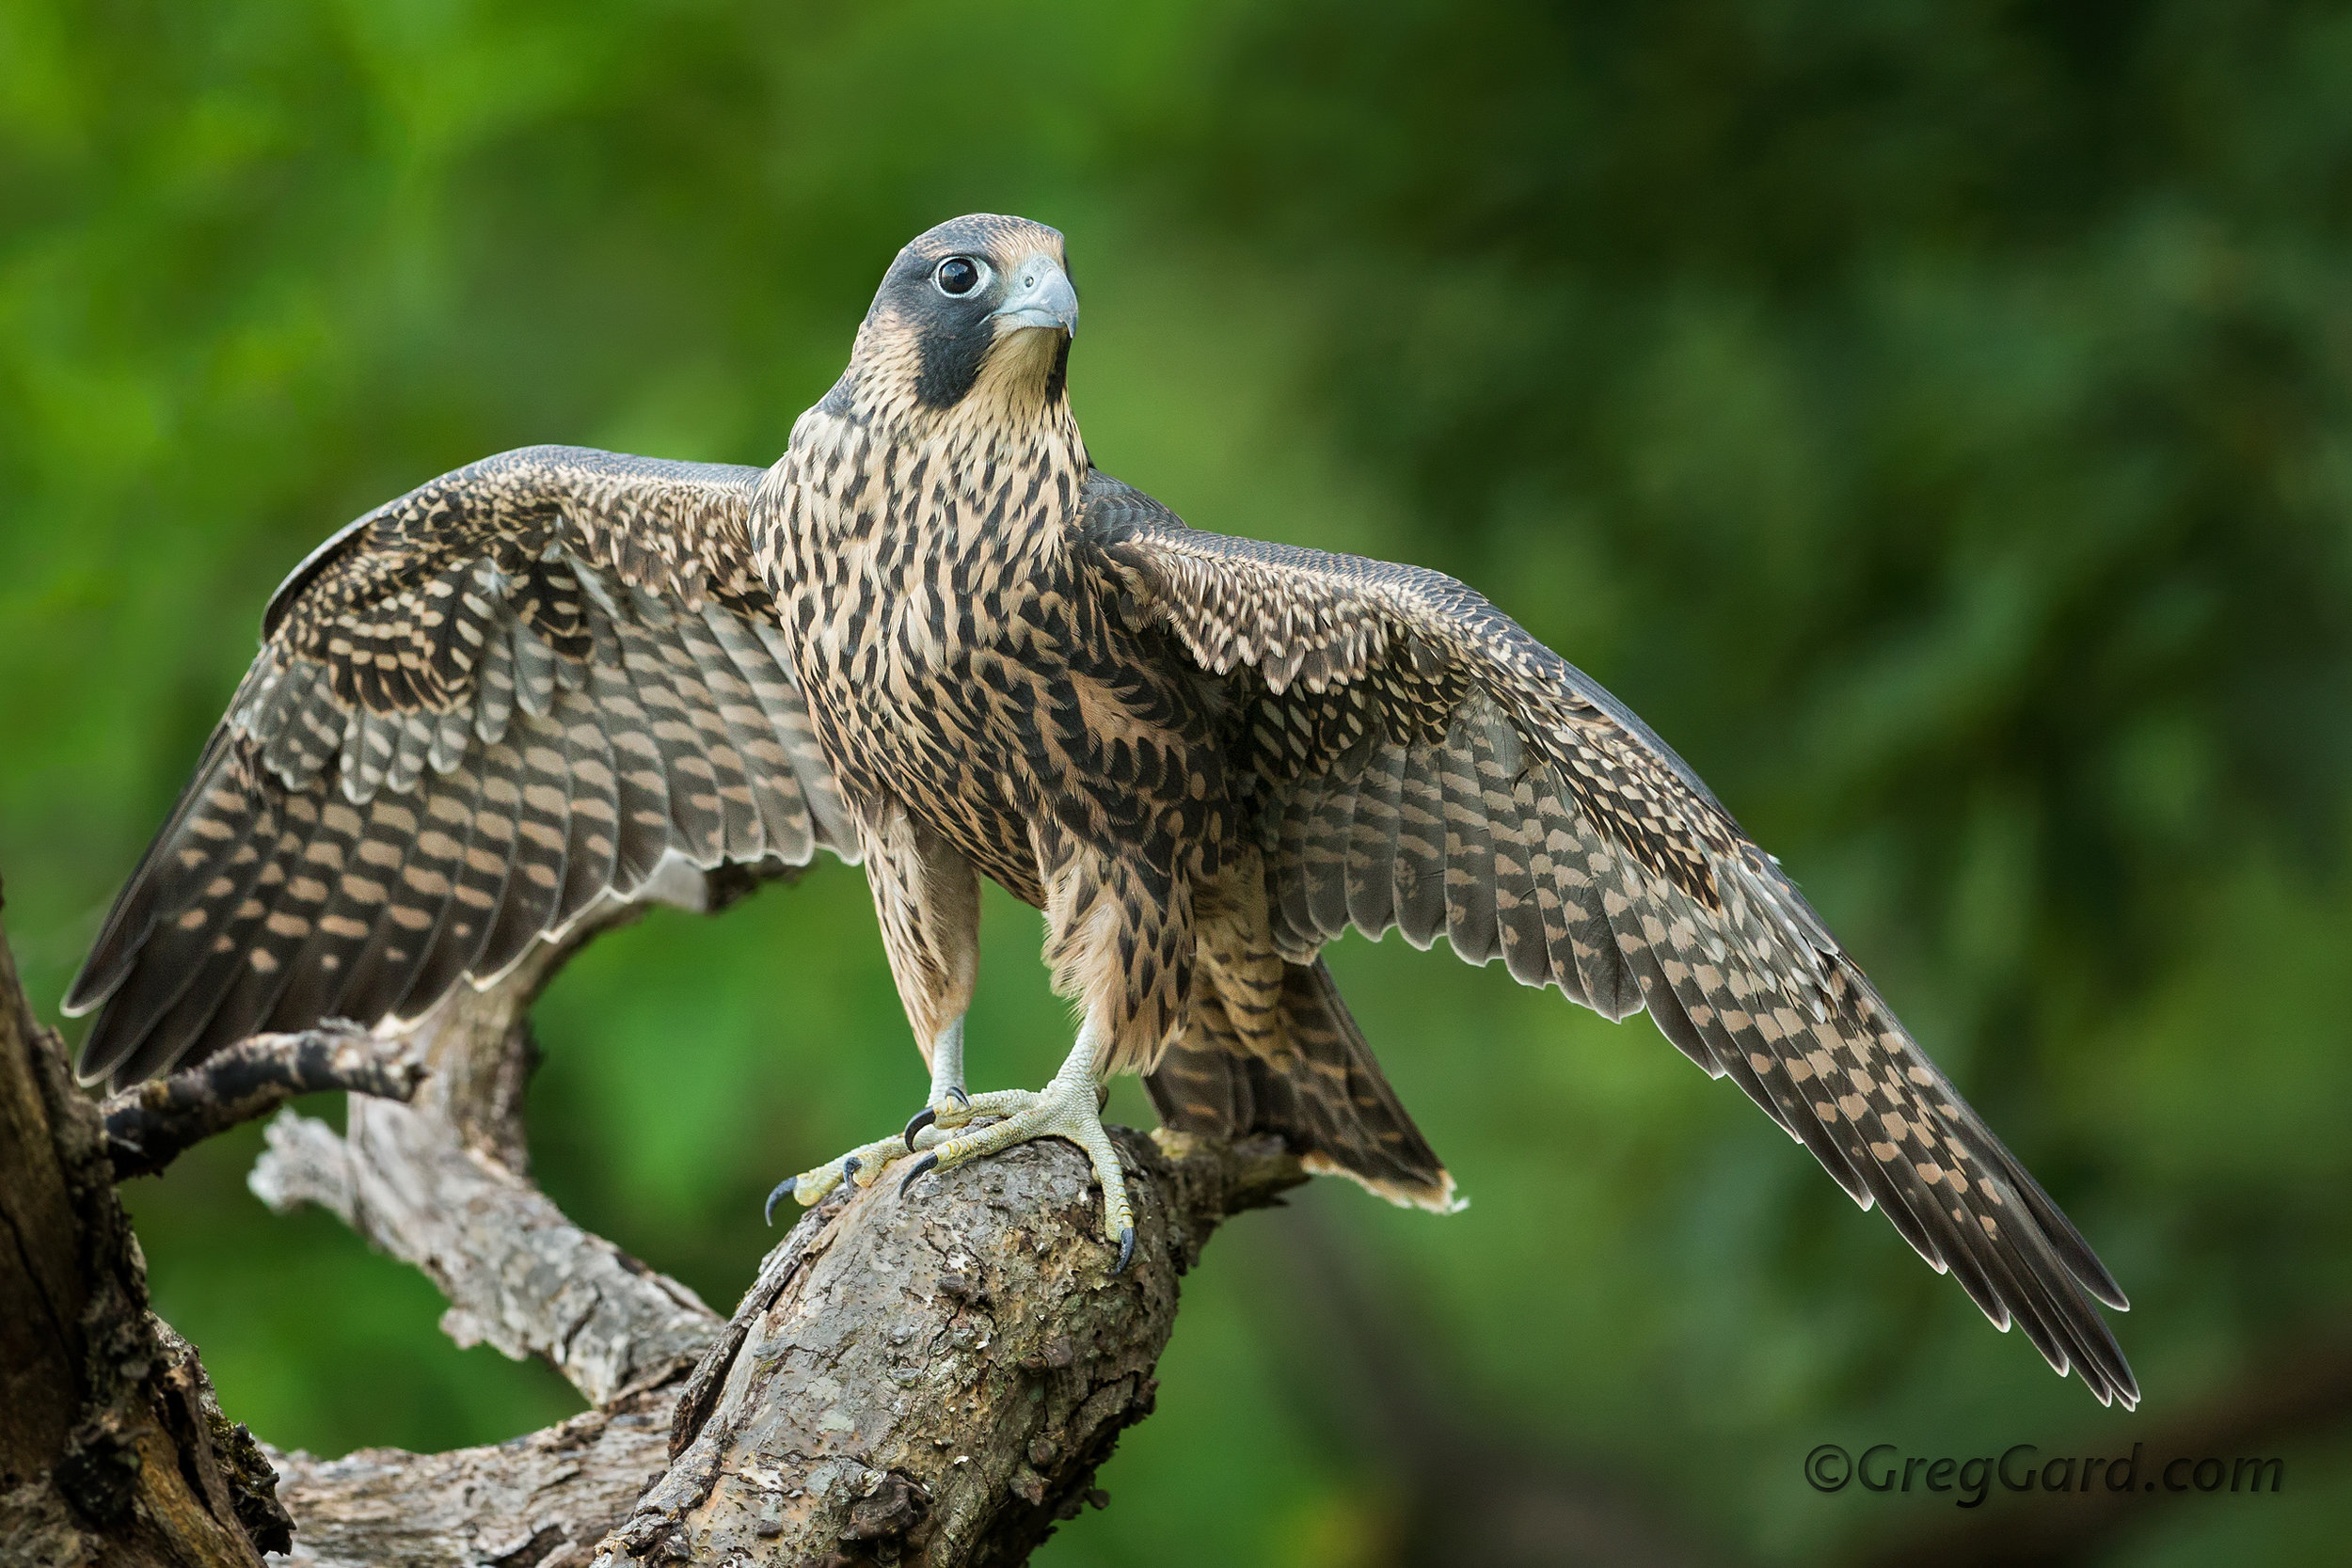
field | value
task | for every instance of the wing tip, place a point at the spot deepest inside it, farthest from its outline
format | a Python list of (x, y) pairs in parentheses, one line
[(82, 999), (103, 1059), (88, 1073)]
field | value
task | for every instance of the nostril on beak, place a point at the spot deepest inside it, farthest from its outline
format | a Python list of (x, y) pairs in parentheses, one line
[(1041, 296)]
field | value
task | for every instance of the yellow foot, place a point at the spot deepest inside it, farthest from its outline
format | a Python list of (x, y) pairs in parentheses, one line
[(863, 1164), (948, 1107), (1066, 1108)]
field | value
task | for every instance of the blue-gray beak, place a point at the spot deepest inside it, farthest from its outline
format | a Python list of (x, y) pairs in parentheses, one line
[(1042, 297)]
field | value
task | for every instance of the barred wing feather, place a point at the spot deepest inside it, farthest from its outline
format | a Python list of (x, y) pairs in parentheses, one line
[(478, 712), (1425, 765)]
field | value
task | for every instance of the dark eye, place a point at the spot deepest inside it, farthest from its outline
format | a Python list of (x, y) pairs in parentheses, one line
[(959, 275)]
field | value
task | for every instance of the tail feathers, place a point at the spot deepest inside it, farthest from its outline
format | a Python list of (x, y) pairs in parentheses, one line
[(1319, 1088)]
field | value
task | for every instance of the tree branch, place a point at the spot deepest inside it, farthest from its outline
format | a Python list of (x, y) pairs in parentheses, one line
[(518, 1274), (538, 1501), (112, 1448), (939, 1374), (153, 1124)]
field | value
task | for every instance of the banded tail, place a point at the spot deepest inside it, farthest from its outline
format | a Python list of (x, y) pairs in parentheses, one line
[(1313, 1081)]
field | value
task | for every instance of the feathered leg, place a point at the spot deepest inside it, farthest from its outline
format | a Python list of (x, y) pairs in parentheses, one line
[(1121, 947)]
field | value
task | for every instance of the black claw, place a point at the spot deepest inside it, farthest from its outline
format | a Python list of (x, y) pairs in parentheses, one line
[(1127, 1249), (921, 1119), (768, 1213), (962, 1099), (925, 1164), (850, 1168)]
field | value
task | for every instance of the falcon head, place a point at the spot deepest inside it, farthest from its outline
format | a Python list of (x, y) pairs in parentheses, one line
[(979, 306)]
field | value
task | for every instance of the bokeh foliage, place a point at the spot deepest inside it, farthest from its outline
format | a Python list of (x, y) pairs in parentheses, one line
[(1933, 417)]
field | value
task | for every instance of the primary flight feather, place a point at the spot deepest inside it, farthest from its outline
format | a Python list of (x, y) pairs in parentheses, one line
[(934, 638)]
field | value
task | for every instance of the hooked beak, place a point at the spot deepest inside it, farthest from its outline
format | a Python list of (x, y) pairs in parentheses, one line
[(1042, 297)]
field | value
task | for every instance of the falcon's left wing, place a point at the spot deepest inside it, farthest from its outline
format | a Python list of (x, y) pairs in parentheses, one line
[(1425, 763)]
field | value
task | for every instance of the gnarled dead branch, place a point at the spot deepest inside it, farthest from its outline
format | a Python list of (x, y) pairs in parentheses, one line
[(150, 1126), (929, 1380)]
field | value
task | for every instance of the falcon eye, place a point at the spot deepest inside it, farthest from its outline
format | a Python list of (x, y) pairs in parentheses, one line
[(959, 275)]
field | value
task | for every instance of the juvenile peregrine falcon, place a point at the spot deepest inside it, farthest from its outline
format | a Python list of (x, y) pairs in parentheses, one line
[(936, 638)]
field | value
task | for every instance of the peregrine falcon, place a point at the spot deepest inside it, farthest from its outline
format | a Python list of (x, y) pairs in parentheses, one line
[(934, 638)]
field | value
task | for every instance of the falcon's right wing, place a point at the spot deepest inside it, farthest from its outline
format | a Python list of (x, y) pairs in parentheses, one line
[(478, 712)]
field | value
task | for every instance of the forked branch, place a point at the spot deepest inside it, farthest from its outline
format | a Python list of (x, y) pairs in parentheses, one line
[(933, 1378)]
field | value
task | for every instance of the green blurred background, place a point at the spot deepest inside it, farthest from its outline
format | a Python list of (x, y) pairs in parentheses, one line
[(1935, 418)]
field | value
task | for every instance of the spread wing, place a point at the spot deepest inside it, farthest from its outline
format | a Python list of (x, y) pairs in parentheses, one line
[(480, 711), (1426, 765)]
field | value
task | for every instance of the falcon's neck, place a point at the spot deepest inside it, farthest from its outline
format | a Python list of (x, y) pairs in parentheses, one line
[(875, 482)]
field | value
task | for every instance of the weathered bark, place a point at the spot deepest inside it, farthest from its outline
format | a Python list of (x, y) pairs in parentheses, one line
[(938, 1378), (519, 1276), (438, 1183), (112, 1448), (539, 1501), (931, 1379), (150, 1126)]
